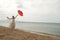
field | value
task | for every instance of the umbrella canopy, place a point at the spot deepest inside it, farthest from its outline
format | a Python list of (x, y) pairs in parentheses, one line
[(20, 12)]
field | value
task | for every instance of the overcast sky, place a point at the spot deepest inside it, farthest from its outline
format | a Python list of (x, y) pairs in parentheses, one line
[(34, 10)]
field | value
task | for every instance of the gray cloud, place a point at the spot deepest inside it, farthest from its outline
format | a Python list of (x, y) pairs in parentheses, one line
[(34, 10)]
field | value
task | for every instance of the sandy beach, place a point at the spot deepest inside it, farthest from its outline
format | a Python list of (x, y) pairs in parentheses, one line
[(16, 34)]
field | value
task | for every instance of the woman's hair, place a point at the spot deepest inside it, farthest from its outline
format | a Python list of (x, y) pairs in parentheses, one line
[(13, 17)]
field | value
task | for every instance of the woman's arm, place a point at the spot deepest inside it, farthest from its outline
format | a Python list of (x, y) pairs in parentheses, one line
[(8, 18), (16, 16)]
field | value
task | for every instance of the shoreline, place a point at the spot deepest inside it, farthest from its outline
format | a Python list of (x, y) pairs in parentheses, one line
[(18, 34), (42, 33), (46, 34)]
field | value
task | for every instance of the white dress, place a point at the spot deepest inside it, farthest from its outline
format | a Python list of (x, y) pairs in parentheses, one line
[(12, 23)]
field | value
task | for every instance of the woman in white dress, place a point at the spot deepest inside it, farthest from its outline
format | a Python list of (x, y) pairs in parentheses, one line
[(12, 22)]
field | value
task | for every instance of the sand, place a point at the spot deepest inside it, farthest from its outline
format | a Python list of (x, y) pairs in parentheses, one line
[(15, 34)]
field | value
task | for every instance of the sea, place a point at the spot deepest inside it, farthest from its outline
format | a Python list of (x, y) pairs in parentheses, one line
[(50, 28)]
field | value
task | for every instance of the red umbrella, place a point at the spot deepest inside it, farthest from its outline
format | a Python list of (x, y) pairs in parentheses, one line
[(20, 12)]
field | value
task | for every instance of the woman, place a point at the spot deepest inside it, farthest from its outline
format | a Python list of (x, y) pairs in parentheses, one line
[(12, 22)]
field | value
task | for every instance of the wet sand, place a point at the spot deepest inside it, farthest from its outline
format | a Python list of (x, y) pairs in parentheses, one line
[(16, 34)]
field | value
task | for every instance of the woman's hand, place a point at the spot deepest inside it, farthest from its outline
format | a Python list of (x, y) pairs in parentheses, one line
[(7, 17)]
